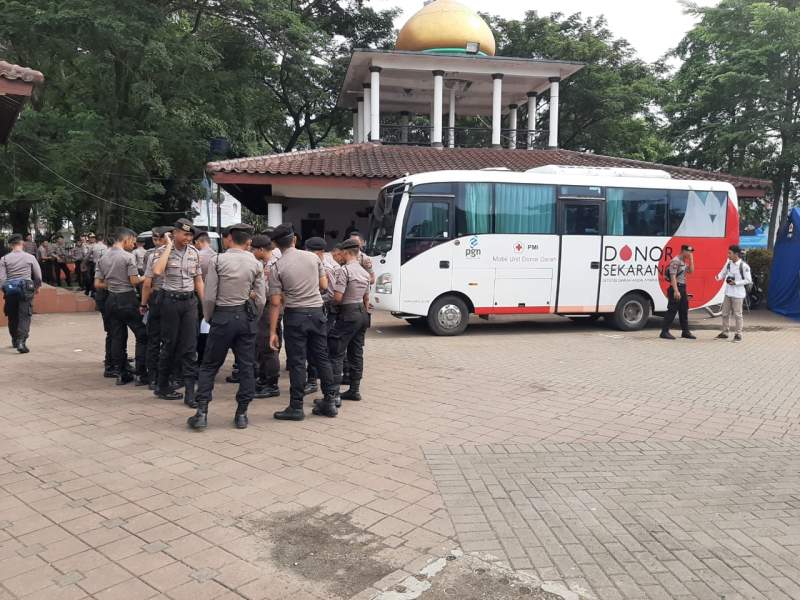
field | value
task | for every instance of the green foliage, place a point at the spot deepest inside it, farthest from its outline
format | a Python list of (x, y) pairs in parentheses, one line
[(760, 262), (607, 107)]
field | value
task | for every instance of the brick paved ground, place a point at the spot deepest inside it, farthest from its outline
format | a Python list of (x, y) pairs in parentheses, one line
[(620, 465)]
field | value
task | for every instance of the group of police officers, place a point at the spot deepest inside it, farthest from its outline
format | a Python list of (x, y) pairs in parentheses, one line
[(187, 306)]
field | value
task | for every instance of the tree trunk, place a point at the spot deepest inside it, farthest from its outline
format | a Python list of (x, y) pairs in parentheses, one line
[(19, 215), (777, 195)]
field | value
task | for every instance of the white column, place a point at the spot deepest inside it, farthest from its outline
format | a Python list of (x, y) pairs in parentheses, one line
[(512, 125), (497, 109), (404, 120), (451, 119), (274, 214), (367, 122), (533, 107), (360, 137), (438, 110), (554, 83), (375, 104), (355, 125)]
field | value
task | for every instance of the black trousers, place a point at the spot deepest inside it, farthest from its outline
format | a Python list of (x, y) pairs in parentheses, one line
[(679, 307), (178, 338), (101, 302), (267, 363), (332, 312), (123, 313), (59, 269), (305, 337), (19, 310), (48, 271), (79, 278), (231, 329), (346, 339), (90, 271), (153, 335)]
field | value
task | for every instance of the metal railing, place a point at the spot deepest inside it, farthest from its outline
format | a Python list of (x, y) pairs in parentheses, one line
[(463, 137)]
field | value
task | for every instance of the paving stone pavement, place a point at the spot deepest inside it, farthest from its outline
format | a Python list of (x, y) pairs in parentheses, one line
[(688, 452)]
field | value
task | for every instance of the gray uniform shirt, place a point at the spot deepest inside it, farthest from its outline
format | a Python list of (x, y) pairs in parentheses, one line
[(18, 264), (78, 251), (231, 277), (206, 254), (678, 268), (331, 267), (182, 267), (96, 251), (296, 275), (116, 267), (60, 252), (148, 269), (352, 280), (139, 254)]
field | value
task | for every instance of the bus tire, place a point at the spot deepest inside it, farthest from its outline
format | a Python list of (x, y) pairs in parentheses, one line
[(448, 316), (632, 313)]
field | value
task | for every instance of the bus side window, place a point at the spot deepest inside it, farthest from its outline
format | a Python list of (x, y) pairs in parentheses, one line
[(474, 209), (427, 225)]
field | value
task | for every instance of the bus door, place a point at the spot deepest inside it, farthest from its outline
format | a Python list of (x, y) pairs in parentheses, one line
[(427, 251), (581, 223)]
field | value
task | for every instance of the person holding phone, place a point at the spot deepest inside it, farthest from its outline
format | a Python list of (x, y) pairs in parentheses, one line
[(679, 267), (737, 276)]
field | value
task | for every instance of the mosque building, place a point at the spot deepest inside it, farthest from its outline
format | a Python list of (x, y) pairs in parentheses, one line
[(443, 63)]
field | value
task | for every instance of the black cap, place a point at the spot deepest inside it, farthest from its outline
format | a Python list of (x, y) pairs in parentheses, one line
[(14, 239), (241, 227), (160, 230), (281, 232), (315, 244), (687, 248), (261, 241), (349, 245), (184, 225), (355, 232)]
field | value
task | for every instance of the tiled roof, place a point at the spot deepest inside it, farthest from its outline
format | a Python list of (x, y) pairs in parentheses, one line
[(10, 71), (391, 162)]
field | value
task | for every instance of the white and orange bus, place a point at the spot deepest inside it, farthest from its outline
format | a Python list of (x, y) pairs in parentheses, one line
[(573, 241)]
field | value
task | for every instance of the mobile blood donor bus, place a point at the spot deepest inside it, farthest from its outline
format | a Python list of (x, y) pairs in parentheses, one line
[(573, 241)]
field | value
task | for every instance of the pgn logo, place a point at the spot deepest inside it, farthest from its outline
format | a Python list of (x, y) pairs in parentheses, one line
[(473, 251)]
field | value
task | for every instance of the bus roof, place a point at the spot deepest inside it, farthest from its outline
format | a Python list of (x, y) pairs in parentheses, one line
[(580, 176)]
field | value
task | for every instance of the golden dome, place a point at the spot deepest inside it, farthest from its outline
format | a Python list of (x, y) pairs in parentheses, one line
[(445, 25)]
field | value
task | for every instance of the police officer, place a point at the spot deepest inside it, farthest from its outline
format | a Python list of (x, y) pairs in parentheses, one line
[(118, 274), (234, 300), (679, 267), (97, 248), (139, 254), (317, 245), (179, 263), (20, 278), (151, 307), (351, 294), (297, 278), (267, 360)]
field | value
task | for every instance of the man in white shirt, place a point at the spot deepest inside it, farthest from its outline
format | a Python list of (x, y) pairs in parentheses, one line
[(737, 276)]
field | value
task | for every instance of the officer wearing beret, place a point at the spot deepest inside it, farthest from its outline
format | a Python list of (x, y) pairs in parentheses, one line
[(179, 264), (317, 245), (150, 305), (679, 267), (267, 360), (296, 280), (117, 274), (234, 299), (351, 294), (20, 279)]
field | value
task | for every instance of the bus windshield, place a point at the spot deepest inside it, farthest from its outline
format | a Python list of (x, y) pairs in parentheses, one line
[(383, 219)]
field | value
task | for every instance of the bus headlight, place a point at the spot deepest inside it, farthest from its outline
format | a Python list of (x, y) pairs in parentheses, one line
[(383, 285)]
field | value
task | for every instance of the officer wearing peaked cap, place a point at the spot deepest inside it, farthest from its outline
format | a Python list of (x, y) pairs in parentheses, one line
[(233, 302), (178, 262), (298, 278), (150, 305), (317, 245), (267, 360)]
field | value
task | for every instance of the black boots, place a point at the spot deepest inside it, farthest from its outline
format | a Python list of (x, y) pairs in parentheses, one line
[(124, 377), (199, 420), (167, 394), (188, 398), (22, 347), (266, 390), (311, 387), (352, 393), (240, 419), (141, 380), (293, 412), (14, 343), (326, 407)]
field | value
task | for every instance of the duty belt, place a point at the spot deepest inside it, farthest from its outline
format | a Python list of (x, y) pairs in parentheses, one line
[(290, 309), (354, 307), (230, 309), (178, 295)]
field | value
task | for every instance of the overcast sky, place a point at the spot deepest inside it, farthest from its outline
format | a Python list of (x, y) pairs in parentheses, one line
[(651, 26)]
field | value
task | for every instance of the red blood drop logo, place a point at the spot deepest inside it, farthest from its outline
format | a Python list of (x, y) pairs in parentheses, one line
[(626, 253)]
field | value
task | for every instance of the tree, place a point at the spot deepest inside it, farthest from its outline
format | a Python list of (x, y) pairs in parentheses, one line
[(734, 104), (607, 107)]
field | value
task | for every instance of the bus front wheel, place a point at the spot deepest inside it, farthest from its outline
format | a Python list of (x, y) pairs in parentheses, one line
[(449, 315), (632, 312)]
